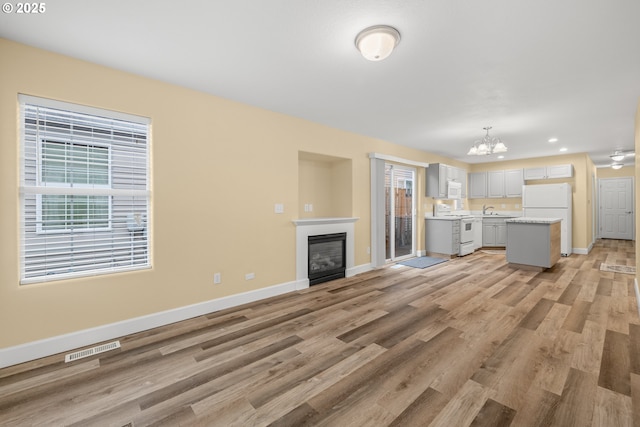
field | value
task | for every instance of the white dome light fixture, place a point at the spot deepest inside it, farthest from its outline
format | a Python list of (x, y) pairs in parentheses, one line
[(487, 145), (616, 166), (617, 156), (377, 42)]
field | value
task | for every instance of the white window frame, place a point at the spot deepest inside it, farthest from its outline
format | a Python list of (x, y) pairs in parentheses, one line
[(115, 249), (39, 221)]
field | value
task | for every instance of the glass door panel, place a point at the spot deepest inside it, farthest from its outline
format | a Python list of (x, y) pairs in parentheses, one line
[(399, 212)]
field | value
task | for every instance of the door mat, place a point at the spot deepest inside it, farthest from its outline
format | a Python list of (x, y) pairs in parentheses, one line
[(618, 268), (494, 251), (423, 262)]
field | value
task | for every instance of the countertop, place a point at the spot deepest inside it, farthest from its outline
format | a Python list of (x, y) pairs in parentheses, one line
[(531, 220)]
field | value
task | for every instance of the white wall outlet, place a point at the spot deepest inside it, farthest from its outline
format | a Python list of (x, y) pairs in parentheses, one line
[(369, 250), (217, 278), (279, 208), (502, 206), (310, 207), (249, 276), (517, 205)]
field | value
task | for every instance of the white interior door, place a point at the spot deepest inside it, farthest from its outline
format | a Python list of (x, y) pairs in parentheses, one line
[(616, 208), (399, 212)]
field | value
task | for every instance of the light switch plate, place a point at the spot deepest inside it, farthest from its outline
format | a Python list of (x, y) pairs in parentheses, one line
[(279, 208)]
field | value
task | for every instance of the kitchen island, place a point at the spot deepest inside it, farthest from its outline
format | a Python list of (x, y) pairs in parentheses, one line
[(533, 242)]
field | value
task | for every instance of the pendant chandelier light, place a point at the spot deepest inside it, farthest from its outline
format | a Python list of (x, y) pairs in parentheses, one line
[(487, 145)]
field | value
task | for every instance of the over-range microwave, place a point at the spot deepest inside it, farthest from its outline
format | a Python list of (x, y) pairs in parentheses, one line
[(454, 190)]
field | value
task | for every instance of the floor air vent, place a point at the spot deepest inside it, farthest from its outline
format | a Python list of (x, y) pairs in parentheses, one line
[(91, 351)]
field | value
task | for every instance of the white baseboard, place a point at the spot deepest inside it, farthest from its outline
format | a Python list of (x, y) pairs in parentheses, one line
[(421, 253), (358, 269), (62, 343), (582, 251)]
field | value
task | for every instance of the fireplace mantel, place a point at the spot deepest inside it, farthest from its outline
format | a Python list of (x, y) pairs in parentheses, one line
[(315, 226), (321, 221)]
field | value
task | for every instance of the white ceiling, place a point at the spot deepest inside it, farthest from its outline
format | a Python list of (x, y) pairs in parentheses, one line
[(532, 69)]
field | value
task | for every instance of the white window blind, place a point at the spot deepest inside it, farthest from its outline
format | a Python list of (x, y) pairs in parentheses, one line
[(84, 191)]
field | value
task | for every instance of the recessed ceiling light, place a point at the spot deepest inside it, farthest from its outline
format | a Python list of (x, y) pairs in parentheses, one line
[(563, 149), (553, 139)]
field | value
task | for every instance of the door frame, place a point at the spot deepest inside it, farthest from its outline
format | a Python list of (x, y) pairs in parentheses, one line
[(376, 186)]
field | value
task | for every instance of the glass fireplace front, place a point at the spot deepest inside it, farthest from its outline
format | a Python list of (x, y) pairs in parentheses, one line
[(327, 254)]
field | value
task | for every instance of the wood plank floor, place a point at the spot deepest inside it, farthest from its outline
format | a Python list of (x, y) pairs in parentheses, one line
[(470, 342)]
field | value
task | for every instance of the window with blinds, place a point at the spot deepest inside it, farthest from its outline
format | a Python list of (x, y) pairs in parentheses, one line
[(84, 190)]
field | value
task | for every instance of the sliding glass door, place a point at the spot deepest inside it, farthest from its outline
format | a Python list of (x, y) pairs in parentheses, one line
[(399, 211)]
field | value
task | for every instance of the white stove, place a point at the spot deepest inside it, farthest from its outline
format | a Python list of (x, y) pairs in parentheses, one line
[(468, 224)]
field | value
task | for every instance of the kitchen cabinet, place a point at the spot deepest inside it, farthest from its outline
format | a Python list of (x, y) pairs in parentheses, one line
[(533, 241), (442, 235), (478, 185), (494, 232), (436, 184), (505, 183), (496, 184), (438, 174), (513, 182), (549, 172)]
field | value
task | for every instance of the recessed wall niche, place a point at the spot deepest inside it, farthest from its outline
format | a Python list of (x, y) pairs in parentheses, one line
[(324, 186)]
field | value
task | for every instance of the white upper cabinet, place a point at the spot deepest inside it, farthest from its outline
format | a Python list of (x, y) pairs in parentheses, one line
[(513, 182), (495, 184), (549, 172), (560, 171), (478, 185)]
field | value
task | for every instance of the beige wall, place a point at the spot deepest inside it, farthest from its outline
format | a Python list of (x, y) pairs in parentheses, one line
[(580, 184), (616, 173), (218, 168)]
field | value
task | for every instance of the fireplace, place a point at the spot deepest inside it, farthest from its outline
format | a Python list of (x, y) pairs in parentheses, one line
[(327, 257), (307, 227)]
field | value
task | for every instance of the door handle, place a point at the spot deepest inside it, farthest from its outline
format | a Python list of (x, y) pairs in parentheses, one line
[(629, 212)]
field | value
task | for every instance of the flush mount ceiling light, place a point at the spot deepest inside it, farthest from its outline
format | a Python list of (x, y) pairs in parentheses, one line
[(487, 145), (616, 165), (617, 156), (377, 42)]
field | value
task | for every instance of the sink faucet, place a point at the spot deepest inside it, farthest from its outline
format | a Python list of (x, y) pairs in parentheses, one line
[(484, 209)]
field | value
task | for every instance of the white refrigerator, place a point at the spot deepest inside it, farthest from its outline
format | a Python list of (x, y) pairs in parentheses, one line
[(551, 201)]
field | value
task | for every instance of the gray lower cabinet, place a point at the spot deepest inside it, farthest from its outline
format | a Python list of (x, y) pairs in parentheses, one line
[(442, 236), (494, 232), (534, 244)]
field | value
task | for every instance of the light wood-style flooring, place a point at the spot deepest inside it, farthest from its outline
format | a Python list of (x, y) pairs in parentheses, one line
[(470, 342)]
